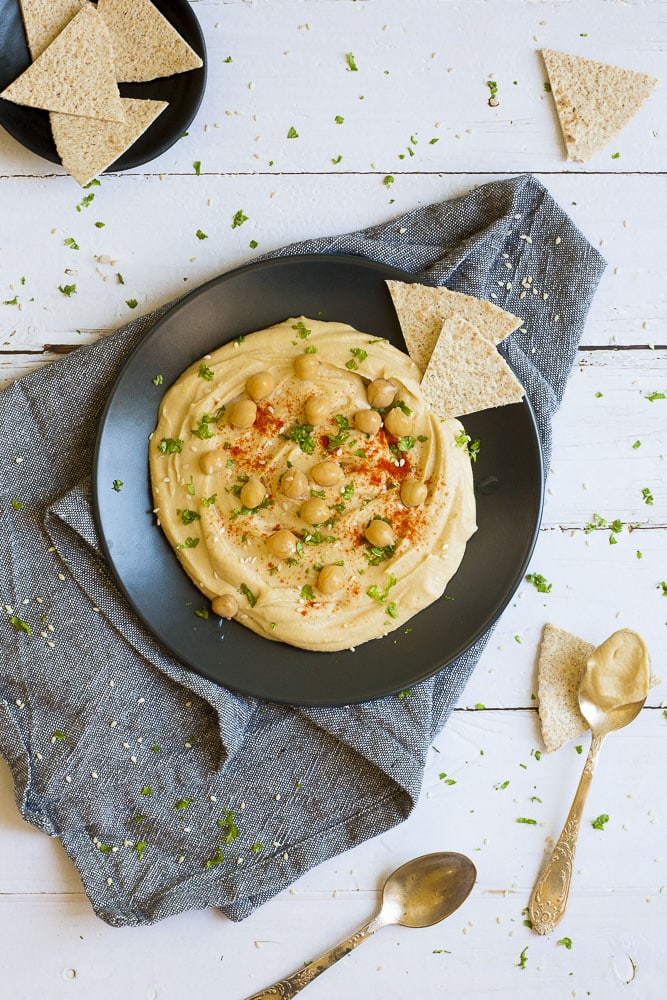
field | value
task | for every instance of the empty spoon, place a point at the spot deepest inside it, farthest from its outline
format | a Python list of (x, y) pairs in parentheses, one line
[(420, 893), (612, 692)]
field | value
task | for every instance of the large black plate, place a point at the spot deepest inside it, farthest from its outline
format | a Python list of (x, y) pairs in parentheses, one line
[(183, 91), (508, 477)]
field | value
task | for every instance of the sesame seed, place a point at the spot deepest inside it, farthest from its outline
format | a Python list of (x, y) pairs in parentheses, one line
[(213, 798), (114, 849), (285, 856), (111, 683), (140, 701), (179, 861), (51, 645), (109, 881), (277, 797), (113, 724), (68, 779), (133, 759), (93, 774), (61, 576), (557, 240), (39, 756)]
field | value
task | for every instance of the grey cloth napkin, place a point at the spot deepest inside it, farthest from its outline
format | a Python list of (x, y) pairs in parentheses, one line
[(168, 791)]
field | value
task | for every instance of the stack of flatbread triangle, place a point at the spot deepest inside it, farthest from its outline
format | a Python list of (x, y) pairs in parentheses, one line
[(594, 101), (80, 53), (453, 338)]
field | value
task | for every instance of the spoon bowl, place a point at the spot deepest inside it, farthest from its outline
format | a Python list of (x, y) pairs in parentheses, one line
[(420, 893), (612, 692)]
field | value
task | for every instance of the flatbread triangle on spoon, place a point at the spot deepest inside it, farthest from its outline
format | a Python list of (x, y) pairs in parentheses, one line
[(43, 21), (87, 147), (594, 100), (145, 44), (422, 309), (466, 374), (75, 74)]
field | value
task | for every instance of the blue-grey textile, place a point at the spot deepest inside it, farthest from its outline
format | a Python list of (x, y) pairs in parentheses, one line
[(149, 773)]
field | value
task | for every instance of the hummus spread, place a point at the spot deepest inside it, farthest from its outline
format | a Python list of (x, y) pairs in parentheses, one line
[(307, 489)]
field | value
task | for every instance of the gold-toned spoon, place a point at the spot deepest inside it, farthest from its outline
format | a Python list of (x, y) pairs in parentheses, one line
[(612, 693), (420, 893)]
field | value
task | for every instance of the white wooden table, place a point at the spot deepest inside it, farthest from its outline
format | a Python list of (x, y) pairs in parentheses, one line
[(422, 72)]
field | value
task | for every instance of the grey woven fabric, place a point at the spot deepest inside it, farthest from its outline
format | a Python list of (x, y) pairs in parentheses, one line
[(134, 761)]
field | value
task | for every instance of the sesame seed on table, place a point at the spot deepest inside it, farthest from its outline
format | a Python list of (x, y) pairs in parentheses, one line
[(292, 142)]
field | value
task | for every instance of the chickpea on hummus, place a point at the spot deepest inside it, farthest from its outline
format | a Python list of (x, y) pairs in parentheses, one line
[(308, 491)]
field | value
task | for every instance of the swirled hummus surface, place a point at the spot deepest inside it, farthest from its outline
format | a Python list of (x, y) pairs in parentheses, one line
[(302, 569)]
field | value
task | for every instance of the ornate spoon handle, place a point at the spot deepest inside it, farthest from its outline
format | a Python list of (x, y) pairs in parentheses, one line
[(289, 987), (549, 898)]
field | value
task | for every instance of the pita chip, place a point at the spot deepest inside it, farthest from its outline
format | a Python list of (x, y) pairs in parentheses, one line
[(87, 147), (145, 44), (466, 373), (75, 74), (560, 666), (594, 101), (43, 20), (422, 309)]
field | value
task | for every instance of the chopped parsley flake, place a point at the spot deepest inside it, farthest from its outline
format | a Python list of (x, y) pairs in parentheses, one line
[(146, 790), (662, 586), (337, 159), (256, 848), (301, 434), (525, 819), (12, 302), (501, 785), (463, 440), (170, 446), (404, 694), (190, 543), (202, 430), (140, 847), (229, 826), (71, 243), (547, 87), (67, 290), (339, 119), (311, 349), (523, 957), (16, 504), (566, 942), (58, 735), (253, 244), (539, 583), (201, 235), (615, 156), (117, 485), (183, 803), (248, 594), (493, 88), (301, 330), (120, 280), (205, 372), (292, 133), (158, 380), (654, 395), (209, 501), (381, 596), (196, 166), (348, 491), (388, 180), (599, 822), (99, 225), (647, 496), (351, 63), (239, 218), (637, 444), (202, 612), (307, 593), (20, 625), (216, 859), (85, 202), (189, 516), (392, 609), (579, 748), (132, 303)]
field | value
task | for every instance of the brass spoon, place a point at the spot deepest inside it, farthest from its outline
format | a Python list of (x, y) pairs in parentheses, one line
[(420, 893), (612, 692)]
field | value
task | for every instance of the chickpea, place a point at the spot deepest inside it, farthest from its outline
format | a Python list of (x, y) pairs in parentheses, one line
[(317, 410), (294, 484), (226, 606), (327, 473), (306, 366), (381, 392), (243, 414), (413, 493), (314, 511), (379, 534), (260, 385), (330, 579), (212, 461), (397, 422), (252, 493), (282, 544), (368, 422)]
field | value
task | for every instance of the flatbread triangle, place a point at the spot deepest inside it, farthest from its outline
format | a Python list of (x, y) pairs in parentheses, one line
[(466, 373), (87, 147), (422, 309), (145, 44), (43, 21), (594, 100), (75, 74)]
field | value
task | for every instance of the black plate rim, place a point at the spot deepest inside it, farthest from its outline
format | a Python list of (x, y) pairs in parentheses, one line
[(411, 677), (131, 158)]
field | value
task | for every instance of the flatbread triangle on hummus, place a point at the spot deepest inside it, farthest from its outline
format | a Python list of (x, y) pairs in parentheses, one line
[(87, 147), (466, 373), (145, 44), (422, 309), (594, 100), (45, 19), (75, 74)]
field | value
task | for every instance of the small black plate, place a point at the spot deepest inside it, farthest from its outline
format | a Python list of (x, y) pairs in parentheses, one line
[(183, 91), (508, 482)]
